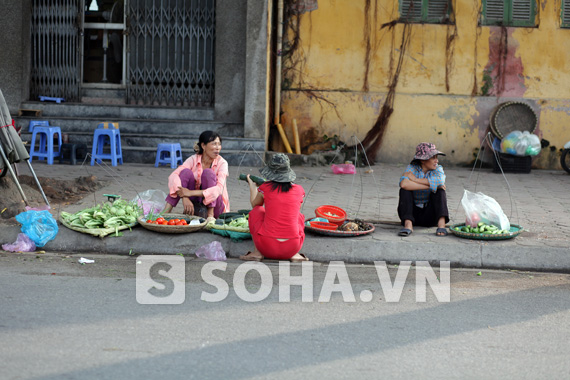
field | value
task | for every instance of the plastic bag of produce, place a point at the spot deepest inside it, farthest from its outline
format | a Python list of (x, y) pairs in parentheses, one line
[(528, 144), (521, 144), (509, 142), (482, 208)]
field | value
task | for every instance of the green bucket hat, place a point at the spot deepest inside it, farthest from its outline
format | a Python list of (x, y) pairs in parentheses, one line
[(278, 169)]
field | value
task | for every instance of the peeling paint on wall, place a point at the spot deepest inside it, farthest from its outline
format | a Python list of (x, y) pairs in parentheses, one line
[(504, 68), (454, 114)]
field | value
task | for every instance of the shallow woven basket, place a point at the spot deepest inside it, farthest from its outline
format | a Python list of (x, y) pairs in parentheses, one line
[(337, 233), (173, 229), (515, 230), (512, 116), (234, 233), (225, 227), (98, 232)]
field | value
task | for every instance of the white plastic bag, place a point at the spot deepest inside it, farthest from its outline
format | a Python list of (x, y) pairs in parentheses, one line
[(521, 144), (151, 201), (212, 251), (482, 208), (529, 145)]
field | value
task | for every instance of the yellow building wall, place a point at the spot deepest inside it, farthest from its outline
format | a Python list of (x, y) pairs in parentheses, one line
[(324, 86)]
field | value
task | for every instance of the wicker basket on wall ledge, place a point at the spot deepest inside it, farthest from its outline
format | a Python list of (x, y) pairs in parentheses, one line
[(513, 116)]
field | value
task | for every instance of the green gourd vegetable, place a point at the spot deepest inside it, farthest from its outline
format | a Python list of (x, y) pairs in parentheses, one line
[(254, 178), (482, 228)]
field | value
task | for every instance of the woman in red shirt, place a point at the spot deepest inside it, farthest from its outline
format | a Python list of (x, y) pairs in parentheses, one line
[(276, 223)]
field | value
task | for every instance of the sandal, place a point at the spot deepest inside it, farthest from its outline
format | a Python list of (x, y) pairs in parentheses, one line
[(441, 230), (248, 257), (405, 232), (298, 260)]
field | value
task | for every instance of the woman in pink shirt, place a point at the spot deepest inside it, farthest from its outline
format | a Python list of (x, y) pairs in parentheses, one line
[(276, 223), (201, 180)]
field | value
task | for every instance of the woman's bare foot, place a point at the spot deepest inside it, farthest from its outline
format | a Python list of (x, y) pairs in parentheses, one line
[(167, 208), (299, 257), (252, 256)]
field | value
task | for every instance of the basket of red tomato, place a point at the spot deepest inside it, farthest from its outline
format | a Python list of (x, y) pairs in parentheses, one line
[(172, 223)]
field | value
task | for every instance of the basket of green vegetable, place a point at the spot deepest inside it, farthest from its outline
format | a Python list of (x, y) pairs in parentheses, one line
[(103, 219), (234, 225), (485, 232)]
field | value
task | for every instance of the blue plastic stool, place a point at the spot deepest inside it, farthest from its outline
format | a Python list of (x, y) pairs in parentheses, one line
[(45, 145), (33, 123), (107, 134), (168, 153)]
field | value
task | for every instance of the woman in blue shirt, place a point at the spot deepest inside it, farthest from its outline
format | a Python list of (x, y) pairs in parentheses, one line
[(423, 201)]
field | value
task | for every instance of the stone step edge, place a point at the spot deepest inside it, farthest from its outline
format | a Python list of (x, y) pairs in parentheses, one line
[(124, 120), (78, 104), (153, 149), (28, 136)]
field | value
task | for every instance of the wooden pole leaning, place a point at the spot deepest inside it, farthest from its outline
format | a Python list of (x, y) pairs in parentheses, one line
[(296, 137), (284, 138)]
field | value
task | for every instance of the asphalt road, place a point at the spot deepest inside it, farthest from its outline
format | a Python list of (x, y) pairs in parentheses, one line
[(63, 320)]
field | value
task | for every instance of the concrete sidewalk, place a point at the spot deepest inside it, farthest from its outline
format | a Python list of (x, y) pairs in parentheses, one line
[(537, 201)]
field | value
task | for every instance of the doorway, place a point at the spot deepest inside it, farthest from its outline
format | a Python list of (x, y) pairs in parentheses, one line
[(103, 58), (163, 55)]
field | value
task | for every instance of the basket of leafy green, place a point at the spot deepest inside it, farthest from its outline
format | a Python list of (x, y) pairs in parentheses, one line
[(232, 225), (103, 219)]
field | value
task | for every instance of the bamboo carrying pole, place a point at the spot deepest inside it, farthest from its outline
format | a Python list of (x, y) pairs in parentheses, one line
[(296, 137)]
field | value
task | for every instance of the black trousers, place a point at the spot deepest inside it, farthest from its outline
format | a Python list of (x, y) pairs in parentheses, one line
[(426, 216)]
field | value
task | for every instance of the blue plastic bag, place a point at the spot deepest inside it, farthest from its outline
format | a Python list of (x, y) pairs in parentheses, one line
[(40, 226)]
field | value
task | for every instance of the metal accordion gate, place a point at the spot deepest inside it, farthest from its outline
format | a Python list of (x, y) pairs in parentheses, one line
[(171, 52), (55, 66)]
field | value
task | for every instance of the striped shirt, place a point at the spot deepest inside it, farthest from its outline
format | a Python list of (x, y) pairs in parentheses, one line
[(435, 177)]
